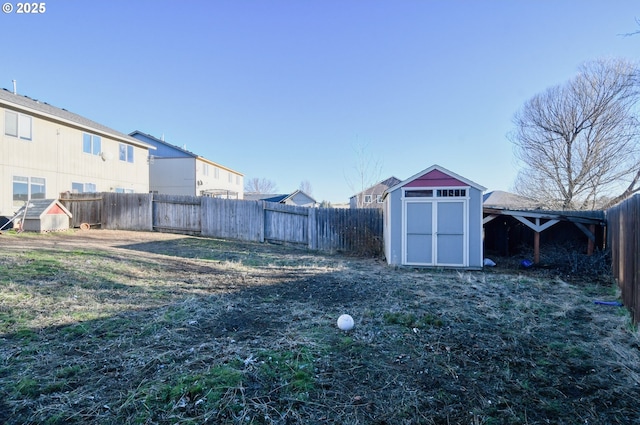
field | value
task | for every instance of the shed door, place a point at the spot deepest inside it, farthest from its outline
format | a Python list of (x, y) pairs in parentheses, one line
[(435, 233), (450, 236), (419, 233)]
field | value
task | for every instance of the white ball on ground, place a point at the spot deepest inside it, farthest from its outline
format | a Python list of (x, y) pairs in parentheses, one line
[(345, 322)]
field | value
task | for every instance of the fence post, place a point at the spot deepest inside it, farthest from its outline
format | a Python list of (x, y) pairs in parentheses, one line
[(262, 205), (311, 229)]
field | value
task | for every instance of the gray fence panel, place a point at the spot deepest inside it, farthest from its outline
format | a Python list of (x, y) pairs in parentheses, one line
[(84, 208), (233, 219), (177, 214), (127, 211), (286, 223)]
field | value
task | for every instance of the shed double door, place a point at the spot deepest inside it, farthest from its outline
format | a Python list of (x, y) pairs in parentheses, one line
[(435, 233)]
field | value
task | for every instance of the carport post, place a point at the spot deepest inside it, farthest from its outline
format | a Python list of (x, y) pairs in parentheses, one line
[(536, 247)]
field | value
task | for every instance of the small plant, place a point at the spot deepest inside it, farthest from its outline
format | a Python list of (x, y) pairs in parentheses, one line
[(28, 387), (292, 370), (410, 320), (204, 391)]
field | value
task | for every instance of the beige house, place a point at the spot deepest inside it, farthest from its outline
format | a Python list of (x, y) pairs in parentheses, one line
[(45, 151), (176, 171)]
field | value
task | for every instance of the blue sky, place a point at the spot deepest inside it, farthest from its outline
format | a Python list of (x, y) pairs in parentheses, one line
[(290, 90)]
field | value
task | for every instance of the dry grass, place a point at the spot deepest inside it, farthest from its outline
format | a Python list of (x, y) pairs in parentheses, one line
[(139, 328)]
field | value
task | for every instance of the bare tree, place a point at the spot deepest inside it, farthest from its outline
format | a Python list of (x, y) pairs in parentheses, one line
[(578, 142), (305, 186), (260, 185), (365, 174)]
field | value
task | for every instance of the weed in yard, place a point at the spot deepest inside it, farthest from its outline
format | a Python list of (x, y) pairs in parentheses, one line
[(410, 320), (203, 392), (290, 370), (27, 387)]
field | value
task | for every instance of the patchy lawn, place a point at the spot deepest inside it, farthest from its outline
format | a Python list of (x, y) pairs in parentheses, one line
[(112, 327)]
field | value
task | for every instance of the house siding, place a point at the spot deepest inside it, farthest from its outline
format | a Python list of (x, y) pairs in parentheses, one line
[(172, 176), (218, 181), (55, 153), (176, 171), (301, 199)]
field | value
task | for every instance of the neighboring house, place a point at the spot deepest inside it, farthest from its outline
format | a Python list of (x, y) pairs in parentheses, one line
[(45, 151), (176, 171), (434, 219), (298, 198), (372, 196)]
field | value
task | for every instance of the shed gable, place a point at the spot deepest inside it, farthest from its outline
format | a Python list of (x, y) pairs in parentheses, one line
[(435, 178)]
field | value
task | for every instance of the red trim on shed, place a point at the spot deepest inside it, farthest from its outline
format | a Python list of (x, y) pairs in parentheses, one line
[(435, 178), (55, 209)]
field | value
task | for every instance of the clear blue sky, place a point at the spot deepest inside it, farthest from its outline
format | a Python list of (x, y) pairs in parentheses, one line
[(288, 90)]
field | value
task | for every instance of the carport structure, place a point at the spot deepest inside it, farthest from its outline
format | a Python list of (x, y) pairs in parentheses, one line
[(539, 221)]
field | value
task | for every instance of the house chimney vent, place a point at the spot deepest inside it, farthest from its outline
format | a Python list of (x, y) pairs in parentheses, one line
[(15, 88)]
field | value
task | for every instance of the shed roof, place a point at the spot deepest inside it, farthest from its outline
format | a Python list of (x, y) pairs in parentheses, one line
[(35, 107), (436, 167), (37, 208)]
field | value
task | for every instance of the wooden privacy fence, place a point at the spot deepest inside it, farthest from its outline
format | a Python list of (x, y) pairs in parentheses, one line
[(357, 231), (623, 238)]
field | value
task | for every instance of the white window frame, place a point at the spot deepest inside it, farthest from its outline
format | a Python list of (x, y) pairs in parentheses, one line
[(95, 142), (84, 187), (31, 183), (23, 125), (125, 153)]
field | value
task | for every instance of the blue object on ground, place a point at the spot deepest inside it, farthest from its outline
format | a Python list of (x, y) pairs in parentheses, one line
[(611, 303), (526, 263)]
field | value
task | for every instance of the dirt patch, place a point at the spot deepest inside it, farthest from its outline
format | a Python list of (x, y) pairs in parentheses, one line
[(111, 327)]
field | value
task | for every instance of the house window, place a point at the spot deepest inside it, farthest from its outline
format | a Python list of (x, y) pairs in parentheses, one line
[(205, 169), (367, 199), (17, 125), (230, 178), (238, 180), (379, 199), (126, 153), (91, 144), (216, 172), (25, 188), (123, 190), (83, 187)]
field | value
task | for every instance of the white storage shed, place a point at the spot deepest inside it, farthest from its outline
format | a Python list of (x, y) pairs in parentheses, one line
[(434, 219)]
